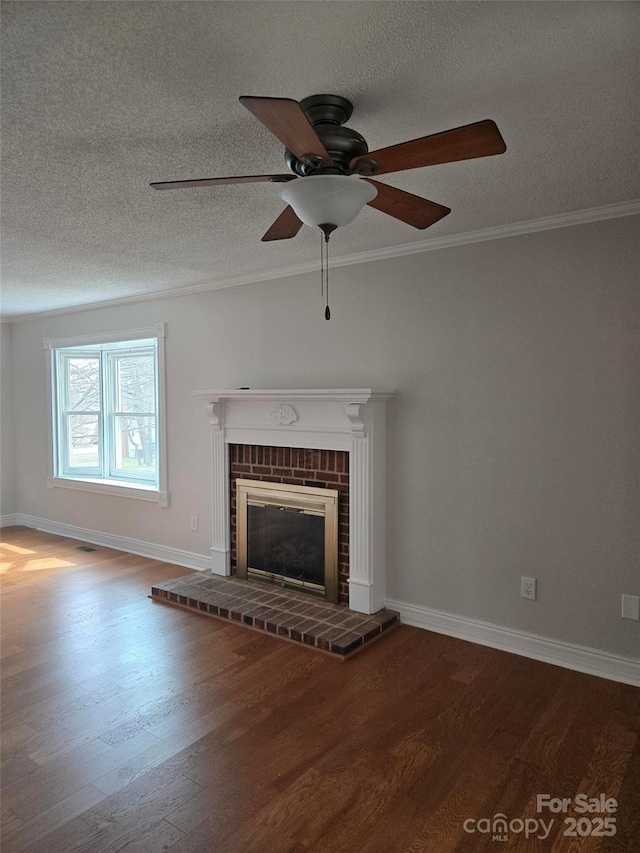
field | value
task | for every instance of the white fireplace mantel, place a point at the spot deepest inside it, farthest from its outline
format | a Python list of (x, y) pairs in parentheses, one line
[(351, 419)]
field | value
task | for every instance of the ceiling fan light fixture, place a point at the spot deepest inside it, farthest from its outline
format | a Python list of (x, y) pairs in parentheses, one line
[(327, 199)]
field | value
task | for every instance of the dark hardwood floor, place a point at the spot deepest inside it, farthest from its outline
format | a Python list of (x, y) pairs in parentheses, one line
[(132, 726)]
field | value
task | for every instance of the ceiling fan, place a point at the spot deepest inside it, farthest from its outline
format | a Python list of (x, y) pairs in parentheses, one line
[(331, 167)]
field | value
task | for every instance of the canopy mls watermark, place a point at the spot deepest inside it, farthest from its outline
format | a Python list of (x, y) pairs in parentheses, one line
[(599, 823)]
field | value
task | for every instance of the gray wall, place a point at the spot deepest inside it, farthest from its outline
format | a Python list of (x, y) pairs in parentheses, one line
[(512, 438), (7, 458)]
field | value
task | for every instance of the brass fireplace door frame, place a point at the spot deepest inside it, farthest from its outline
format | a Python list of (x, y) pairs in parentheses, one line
[(309, 499)]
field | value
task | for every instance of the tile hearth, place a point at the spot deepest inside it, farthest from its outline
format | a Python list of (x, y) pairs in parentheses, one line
[(285, 613)]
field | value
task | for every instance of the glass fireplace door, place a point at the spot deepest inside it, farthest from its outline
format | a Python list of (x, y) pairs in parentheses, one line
[(288, 534), (286, 542)]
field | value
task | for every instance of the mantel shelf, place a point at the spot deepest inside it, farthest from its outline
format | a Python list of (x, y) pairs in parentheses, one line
[(337, 395)]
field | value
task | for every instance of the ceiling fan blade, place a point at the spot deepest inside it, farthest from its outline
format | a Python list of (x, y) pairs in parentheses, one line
[(409, 208), (286, 225), (481, 139), (209, 182), (286, 120)]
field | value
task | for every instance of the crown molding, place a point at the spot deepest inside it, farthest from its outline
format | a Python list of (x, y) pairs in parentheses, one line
[(515, 229)]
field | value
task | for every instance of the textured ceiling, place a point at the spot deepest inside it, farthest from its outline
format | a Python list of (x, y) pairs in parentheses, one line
[(100, 98)]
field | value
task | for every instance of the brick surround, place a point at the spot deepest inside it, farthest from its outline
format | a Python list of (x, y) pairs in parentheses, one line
[(301, 467)]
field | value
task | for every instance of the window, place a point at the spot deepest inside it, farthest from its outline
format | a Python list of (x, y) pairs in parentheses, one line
[(107, 414)]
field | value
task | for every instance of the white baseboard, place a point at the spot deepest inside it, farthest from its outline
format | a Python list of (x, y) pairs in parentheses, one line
[(579, 658), (119, 543), (568, 655)]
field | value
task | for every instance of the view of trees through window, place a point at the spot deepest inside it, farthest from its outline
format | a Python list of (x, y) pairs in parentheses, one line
[(83, 396), (135, 405), (108, 413)]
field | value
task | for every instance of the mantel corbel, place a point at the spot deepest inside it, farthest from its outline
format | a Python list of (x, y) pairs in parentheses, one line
[(215, 411), (355, 414)]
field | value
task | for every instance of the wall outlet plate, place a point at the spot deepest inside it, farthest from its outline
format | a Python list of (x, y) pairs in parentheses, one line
[(528, 587), (631, 607)]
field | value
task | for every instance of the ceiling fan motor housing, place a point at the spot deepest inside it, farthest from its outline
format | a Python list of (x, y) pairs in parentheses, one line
[(327, 114)]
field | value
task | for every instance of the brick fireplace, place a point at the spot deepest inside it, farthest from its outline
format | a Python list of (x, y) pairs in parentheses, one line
[(299, 467), (335, 437)]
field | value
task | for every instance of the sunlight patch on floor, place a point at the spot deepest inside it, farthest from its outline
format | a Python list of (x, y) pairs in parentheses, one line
[(16, 549), (46, 563)]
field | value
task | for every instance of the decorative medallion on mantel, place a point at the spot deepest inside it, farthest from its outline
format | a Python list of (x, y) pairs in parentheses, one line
[(284, 414)]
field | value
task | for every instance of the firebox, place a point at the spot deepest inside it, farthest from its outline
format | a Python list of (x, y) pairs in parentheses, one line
[(288, 534)]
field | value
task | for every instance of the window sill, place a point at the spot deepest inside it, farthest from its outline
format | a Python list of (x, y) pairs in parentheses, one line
[(108, 487)]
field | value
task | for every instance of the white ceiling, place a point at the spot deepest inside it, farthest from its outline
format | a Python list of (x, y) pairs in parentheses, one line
[(100, 98)]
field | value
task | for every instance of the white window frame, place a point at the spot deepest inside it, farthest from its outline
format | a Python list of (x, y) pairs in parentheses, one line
[(113, 485)]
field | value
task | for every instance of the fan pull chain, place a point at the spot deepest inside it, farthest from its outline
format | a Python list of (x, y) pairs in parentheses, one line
[(325, 230), (327, 310), (321, 264)]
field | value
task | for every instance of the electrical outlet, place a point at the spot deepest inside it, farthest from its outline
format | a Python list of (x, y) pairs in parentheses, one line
[(33, 494), (528, 587), (631, 607), (194, 522)]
